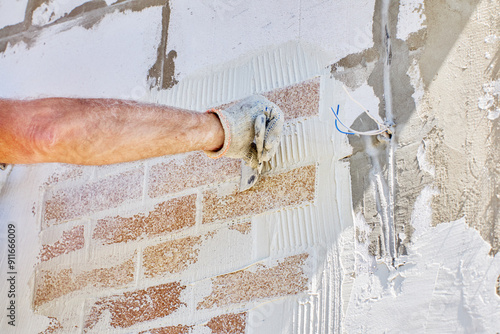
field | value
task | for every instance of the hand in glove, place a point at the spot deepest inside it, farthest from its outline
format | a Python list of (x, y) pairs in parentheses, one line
[(238, 122)]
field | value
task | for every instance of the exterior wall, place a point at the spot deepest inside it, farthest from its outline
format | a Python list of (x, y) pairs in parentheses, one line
[(341, 234)]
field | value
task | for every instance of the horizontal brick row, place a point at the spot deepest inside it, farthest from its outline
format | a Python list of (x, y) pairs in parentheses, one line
[(286, 278), (271, 192), (124, 310), (168, 216), (190, 171), (74, 202), (50, 285)]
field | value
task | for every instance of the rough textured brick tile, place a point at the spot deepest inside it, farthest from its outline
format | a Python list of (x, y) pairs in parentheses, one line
[(131, 308), (271, 192), (53, 327), (243, 228), (66, 172), (179, 329), (74, 202), (70, 241), (171, 256), (228, 323), (286, 278), (50, 285), (190, 171), (299, 100), (168, 216)]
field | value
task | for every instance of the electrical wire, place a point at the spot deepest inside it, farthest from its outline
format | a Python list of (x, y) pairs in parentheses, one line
[(381, 127)]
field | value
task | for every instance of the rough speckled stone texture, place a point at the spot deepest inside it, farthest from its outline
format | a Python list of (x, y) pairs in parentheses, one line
[(168, 216), (243, 228), (300, 100), (179, 329), (67, 172), (171, 256), (228, 324), (74, 202), (50, 285), (53, 327), (286, 278), (271, 192), (129, 308), (70, 241), (190, 171)]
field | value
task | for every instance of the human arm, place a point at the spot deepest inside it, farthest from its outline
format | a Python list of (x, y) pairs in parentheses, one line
[(100, 131)]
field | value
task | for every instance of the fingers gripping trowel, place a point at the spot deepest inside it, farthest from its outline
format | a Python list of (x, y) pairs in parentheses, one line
[(249, 175)]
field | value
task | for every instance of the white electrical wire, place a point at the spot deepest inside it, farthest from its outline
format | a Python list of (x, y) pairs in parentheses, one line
[(381, 127)]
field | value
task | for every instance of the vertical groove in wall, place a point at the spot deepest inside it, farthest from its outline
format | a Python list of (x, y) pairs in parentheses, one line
[(296, 146), (294, 230), (306, 315)]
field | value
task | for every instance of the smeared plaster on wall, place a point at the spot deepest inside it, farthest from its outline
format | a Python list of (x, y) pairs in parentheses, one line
[(464, 142), (384, 68), (163, 71), (12, 12), (113, 75), (87, 15), (411, 18)]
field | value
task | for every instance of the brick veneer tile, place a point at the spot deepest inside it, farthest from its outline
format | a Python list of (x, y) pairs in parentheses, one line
[(179, 329), (286, 278), (68, 172), (130, 308), (171, 256), (228, 323), (53, 327), (190, 171), (70, 241), (243, 228), (297, 100), (168, 216), (50, 285), (271, 192), (74, 202)]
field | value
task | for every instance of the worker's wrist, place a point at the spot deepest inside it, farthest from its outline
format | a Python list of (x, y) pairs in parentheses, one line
[(216, 131)]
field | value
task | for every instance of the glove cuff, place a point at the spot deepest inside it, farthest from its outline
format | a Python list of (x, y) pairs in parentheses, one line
[(227, 135)]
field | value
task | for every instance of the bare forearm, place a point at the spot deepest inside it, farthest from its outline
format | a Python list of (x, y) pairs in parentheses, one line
[(100, 131)]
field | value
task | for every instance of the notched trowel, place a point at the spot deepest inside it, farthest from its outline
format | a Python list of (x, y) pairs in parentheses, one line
[(249, 175)]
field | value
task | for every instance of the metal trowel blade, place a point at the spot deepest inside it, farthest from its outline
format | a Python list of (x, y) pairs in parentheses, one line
[(249, 176)]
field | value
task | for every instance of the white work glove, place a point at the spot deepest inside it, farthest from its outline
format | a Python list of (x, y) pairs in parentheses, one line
[(238, 122)]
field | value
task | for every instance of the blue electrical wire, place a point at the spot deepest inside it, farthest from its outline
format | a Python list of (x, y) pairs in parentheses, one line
[(338, 119)]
